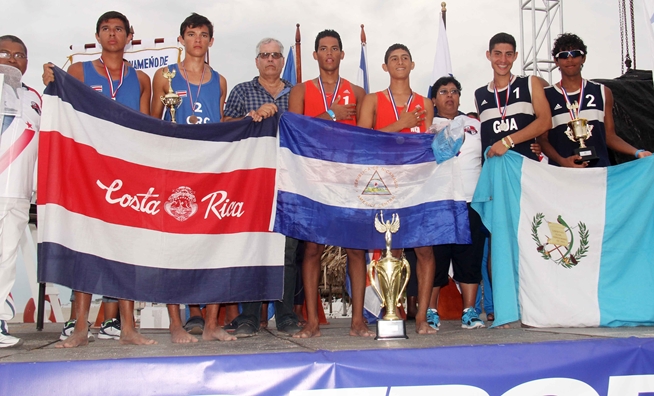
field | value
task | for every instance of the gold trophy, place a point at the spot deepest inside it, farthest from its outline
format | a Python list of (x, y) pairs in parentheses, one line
[(171, 100), (393, 275), (579, 131)]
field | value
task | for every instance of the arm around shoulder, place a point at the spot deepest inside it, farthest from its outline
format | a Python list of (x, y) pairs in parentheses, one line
[(146, 89), (367, 111), (159, 89), (76, 70), (296, 99)]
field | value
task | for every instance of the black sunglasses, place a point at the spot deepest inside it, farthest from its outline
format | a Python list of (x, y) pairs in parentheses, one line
[(265, 55), (569, 54)]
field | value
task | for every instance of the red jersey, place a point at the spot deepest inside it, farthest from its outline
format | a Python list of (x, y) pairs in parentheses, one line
[(386, 116), (314, 105)]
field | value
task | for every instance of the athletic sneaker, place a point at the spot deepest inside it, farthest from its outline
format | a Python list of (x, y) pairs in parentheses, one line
[(110, 330), (8, 341), (69, 326), (470, 319), (433, 320)]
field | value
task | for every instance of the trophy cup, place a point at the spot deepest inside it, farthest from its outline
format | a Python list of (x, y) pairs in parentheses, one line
[(171, 100), (578, 131), (393, 275)]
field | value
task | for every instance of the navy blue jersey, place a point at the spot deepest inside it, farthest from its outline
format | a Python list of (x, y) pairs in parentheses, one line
[(592, 109), (128, 94), (519, 113), (206, 107)]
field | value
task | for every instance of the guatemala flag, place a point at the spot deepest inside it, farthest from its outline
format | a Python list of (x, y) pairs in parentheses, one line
[(290, 73), (362, 76), (133, 207), (333, 179), (570, 247)]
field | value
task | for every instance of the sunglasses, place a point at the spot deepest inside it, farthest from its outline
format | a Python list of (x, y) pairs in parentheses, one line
[(569, 54), (265, 55)]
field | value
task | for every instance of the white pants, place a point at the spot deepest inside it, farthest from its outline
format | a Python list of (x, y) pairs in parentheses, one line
[(14, 215)]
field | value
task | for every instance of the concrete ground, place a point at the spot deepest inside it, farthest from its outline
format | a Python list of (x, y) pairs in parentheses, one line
[(39, 346)]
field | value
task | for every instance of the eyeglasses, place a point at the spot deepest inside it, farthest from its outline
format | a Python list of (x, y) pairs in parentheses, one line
[(569, 54), (9, 55), (265, 55), (452, 92)]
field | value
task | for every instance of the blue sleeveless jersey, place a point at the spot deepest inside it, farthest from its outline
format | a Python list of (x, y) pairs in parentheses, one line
[(592, 109), (519, 114), (207, 106), (129, 93)]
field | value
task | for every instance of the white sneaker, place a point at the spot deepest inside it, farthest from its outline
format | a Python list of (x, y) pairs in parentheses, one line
[(8, 341), (68, 329), (110, 330)]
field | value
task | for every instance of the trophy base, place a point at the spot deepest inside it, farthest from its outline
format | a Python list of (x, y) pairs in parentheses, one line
[(391, 330), (587, 154)]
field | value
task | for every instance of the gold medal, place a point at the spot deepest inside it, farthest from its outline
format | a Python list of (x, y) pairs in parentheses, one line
[(193, 119)]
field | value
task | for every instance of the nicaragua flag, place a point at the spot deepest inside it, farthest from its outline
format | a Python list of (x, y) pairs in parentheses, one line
[(570, 247), (138, 208), (442, 63), (290, 73), (333, 179), (362, 76)]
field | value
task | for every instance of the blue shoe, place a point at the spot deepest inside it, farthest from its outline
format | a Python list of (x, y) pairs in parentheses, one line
[(433, 320), (470, 319)]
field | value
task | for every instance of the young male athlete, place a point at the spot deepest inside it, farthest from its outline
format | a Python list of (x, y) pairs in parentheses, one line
[(18, 148), (203, 93), (399, 109), (513, 110), (202, 89), (112, 76), (595, 103), (330, 97)]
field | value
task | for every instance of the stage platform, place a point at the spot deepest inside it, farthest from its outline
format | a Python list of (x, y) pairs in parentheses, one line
[(453, 362)]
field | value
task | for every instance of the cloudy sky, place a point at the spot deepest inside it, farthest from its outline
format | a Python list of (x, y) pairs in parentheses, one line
[(50, 27)]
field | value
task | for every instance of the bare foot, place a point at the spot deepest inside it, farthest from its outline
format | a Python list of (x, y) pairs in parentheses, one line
[(424, 328), (504, 326), (78, 338), (310, 330), (134, 338), (216, 333), (360, 329), (179, 336), (263, 324)]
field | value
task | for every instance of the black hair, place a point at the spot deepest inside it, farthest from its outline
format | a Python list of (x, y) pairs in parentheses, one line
[(568, 42), (113, 15), (14, 39), (195, 21), (442, 82), (501, 38), (329, 33), (396, 47)]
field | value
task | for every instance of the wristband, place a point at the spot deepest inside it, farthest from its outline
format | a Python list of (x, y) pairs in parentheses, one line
[(506, 144), (331, 114), (510, 140), (638, 152)]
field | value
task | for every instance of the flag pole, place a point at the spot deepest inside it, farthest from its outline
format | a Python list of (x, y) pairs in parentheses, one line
[(363, 35), (298, 57), (444, 13)]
